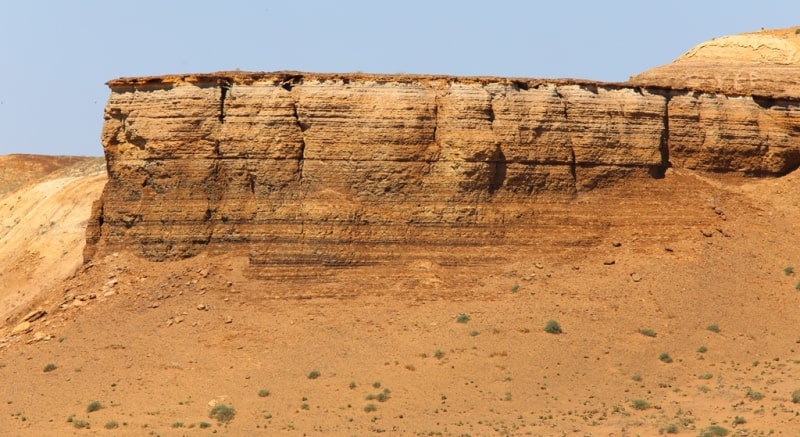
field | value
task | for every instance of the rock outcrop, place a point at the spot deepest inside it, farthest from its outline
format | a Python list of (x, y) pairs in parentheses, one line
[(298, 169), (765, 63)]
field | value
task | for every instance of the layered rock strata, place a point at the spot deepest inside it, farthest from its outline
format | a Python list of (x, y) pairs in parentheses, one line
[(299, 169)]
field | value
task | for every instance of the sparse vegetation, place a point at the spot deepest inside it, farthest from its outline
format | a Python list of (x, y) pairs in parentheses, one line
[(796, 396), (177, 425), (797, 287), (637, 377), (376, 384), (474, 333), (439, 354), (112, 424), (380, 397), (702, 349), (515, 288), (664, 357), (640, 404), (788, 270), (81, 424), (754, 395), (314, 374), (705, 376), (204, 425), (713, 328), (669, 429), (462, 318), (552, 327), (738, 420), (263, 393), (714, 431), (647, 332), (93, 406), (223, 413), (370, 408), (50, 367), (352, 385)]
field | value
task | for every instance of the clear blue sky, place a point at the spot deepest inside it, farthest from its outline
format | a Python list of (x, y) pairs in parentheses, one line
[(55, 56)]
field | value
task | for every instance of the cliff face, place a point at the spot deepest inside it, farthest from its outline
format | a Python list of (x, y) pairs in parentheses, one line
[(735, 105), (287, 163), (298, 169)]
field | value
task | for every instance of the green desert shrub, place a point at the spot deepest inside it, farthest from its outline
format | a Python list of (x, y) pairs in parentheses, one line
[(714, 431), (552, 327), (223, 413), (647, 332)]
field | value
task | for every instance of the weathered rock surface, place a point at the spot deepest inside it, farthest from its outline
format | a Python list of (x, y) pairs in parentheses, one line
[(765, 63), (300, 169), (734, 104)]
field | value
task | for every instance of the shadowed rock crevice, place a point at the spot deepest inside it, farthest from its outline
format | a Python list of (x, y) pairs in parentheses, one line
[(224, 88), (660, 171)]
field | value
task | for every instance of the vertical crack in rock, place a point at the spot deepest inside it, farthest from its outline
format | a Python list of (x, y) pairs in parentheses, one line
[(573, 162), (497, 169), (573, 166), (436, 117), (302, 156), (251, 181), (224, 87), (563, 100), (289, 86), (660, 171), (490, 110)]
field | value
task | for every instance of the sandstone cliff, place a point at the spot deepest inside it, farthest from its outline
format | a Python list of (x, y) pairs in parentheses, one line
[(300, 169)]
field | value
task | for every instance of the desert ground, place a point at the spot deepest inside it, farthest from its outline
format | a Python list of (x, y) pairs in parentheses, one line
[(685, 326)]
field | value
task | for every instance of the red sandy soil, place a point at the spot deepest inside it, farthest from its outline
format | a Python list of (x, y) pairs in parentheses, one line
[(453, 351)]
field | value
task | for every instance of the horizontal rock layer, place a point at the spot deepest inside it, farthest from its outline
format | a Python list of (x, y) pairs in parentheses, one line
[(307, 169)]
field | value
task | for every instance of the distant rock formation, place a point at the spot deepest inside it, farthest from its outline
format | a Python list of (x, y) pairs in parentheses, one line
[(299, 169)]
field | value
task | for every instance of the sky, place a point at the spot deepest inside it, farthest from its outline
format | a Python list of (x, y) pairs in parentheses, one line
[(55, 56)]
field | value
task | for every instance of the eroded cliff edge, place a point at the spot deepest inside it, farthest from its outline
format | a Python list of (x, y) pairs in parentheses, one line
[(301, 169)]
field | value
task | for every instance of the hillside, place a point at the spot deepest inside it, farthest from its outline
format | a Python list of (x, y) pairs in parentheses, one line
[(288, 282), (43, 216)]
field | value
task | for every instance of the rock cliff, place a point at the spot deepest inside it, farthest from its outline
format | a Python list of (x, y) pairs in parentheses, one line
[(301, 169)]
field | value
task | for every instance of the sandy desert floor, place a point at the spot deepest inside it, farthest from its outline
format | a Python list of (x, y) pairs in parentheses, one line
[(687, 330)]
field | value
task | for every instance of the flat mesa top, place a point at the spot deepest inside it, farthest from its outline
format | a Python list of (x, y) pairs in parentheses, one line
[(296, 77)]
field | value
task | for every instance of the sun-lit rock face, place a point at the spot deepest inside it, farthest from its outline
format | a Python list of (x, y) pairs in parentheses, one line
[(275, 160), (299, 169), (765, 63)]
